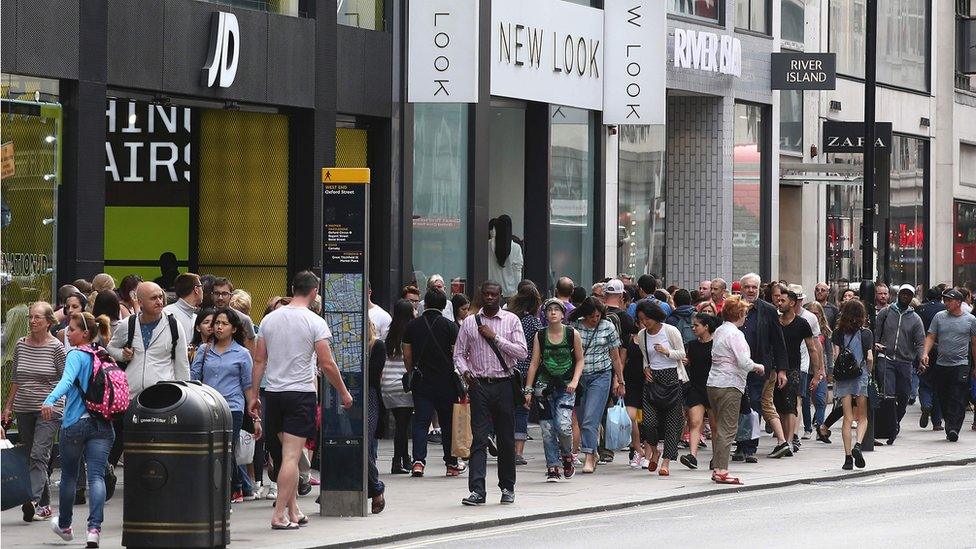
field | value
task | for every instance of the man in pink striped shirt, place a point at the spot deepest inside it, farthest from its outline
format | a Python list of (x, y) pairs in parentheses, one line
[(488, 346)]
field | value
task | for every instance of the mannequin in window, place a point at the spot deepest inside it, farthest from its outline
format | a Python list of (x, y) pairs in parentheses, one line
[(505, 259)]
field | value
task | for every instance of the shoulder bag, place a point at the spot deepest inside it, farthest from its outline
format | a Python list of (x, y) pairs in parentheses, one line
[(517, 382), (661, 396)]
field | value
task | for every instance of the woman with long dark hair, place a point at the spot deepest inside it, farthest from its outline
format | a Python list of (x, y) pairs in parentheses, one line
[(698, 364), (505, 258), (852, 337), (525, 305), (398, 402), (462, 307), (602, 372)]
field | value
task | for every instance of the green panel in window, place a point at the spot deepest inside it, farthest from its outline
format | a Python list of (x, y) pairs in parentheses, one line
[(143, 233)]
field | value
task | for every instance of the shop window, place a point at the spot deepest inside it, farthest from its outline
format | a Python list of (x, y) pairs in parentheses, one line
[(640, 200), (243, 202), (703, 9), (752, 15), (28, 201), (967, 164), (791, 121), (907, 216), (571, 190), (964, 245), (440, 192), (844, 218), (903, 40), (364, 14), (793, 19), (748, 161)]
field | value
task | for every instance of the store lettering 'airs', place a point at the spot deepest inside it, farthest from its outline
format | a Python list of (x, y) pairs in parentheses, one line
[(147, 142)]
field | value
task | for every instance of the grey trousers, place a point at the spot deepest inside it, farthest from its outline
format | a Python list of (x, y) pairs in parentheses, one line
[(38, 435)]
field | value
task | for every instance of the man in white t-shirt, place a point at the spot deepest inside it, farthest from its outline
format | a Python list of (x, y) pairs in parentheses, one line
[(820, 393), (290, 337), (379, 317)]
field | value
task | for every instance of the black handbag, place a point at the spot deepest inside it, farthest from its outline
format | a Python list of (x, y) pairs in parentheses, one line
[(16, 488), (663, 396), (846, 366), (517, 382)]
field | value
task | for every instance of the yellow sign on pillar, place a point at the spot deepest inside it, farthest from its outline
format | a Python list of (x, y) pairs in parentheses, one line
[(345, 175)]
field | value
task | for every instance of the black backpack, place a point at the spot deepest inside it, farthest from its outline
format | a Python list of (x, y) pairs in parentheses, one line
[(174, 334), (846, 366)]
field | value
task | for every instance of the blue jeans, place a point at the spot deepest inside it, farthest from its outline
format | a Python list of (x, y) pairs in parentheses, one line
[(596, 390), (819, 402), (521, 423), (928, 398), (557, 431), (92, 439), (240, 481)]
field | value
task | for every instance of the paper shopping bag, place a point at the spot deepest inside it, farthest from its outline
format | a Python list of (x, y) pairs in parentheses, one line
[(461, 430)]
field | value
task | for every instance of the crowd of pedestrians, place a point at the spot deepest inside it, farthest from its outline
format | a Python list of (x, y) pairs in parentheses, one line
[(714, 364)]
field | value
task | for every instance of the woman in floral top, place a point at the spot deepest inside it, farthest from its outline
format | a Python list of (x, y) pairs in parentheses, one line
[(525, 305)]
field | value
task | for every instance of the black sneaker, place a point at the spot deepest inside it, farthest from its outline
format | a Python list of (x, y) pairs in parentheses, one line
[(858, 456), (689, 461), (304, 487), (782, 450), (923, 420), (552, 475), (434, 437), (492, 448), (952, 436), (738, 456), (474, 499), (569, 468), (751, 458), (508, 497), (519, 460), (28, 509), (848, 463)]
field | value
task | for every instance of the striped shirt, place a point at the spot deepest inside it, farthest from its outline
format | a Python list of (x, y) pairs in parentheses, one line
[(37, 371), (473, 354), (598, 342)]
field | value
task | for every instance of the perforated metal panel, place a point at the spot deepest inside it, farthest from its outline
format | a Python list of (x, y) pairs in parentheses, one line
[(243, 213), (351, 148)]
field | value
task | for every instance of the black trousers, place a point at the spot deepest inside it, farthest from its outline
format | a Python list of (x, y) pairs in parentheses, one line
[(951, 384), (116, 452), (492, 403), (401, 436)]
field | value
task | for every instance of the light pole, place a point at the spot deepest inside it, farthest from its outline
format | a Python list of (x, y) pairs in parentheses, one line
[(870, 79)]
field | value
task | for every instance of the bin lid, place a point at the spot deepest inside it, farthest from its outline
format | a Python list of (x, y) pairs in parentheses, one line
[(179, 406)]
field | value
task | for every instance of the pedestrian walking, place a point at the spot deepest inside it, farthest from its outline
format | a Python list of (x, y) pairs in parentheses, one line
[(37, 367), (378, 316), (223, 291), (396, 400), (189, 292), (436, 281), (955, 332), (819, 394), (633, 361), (291, 337), (225, 364), (153, 348), (731, 364), (462, 308), (74, 303), (489, 344), (797, 335), (106, 302), (681, 317), (375, 489), (128, 295), (554, 374), (853, 344), (426, 344), (899, 345), (927, 397), (698, 364), (525, 305), (84, 437), (602, 373), (663, 351)]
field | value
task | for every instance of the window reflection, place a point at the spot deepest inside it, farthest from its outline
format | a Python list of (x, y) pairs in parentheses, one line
[(706, 9), (641, 200), (572, 159), (746, 190)]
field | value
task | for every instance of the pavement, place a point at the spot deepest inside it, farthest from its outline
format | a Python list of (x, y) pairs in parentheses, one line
[(418, 507)]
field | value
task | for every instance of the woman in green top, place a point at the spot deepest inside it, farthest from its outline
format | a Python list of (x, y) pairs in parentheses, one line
[(559, 352)]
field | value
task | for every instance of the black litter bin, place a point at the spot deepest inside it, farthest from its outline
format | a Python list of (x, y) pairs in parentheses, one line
[(177, 467)]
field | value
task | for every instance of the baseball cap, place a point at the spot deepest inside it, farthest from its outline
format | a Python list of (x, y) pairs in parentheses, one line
[(907, 288), (615, 286), (952, 293), (798, 290)]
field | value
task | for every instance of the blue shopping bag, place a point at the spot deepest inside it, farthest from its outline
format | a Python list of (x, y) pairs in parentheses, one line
[(15, 483), (617, 427)]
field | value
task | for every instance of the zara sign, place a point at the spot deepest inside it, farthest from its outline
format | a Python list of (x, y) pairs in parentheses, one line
[(225, 50), (707, 51)]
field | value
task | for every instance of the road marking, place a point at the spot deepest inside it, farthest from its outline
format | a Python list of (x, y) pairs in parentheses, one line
[(903, 474)]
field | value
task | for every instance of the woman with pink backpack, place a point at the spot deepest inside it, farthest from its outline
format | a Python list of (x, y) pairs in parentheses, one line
[(85, 430)]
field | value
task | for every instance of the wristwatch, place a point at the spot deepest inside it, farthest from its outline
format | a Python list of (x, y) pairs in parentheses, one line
[(526, 390)]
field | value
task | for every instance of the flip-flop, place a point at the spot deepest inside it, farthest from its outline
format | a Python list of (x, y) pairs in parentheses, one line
[(302, 520), (288, 526), (664, 472), (652, 466), (725, 479)]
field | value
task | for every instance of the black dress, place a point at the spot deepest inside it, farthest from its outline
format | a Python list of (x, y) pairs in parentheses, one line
[(699, 365), (633, 375)]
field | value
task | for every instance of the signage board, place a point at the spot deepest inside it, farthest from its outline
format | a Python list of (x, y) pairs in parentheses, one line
[(7, 157), (635, 79), (848, 137), (225, 50), (549, 51), (344, 238), (707, 51), (803, 71), (442, 60)]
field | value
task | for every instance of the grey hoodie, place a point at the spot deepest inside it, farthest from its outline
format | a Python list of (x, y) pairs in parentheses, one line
[(901, 333)]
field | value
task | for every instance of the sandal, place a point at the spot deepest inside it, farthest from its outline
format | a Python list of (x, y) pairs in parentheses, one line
[(652, 466), (724, 478), (664, 472), (302, 520), (287, 526)]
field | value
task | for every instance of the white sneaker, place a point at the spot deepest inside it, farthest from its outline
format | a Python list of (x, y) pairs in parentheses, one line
[(93, 536), (635, 463), (272, 491), (261, 492), (63, 533), (645, 463)]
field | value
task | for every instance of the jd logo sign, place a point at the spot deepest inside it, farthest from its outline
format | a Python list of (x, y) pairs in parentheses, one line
[(225, 49)]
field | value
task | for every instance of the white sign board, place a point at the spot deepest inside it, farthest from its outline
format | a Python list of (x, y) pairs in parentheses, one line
[(442, 55), (707, 51), (549, 51), (225, 50), (635, 80)]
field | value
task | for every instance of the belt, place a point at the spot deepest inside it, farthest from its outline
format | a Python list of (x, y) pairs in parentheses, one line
[(493, 379)]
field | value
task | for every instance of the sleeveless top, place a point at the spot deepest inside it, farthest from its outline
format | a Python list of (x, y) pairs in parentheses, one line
[(557, 359)]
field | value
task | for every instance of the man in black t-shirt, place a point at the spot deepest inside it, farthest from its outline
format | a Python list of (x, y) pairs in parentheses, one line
[(796, 332), (428, 347)]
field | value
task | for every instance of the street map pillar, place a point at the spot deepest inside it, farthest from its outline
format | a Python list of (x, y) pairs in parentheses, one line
[(344, 440)]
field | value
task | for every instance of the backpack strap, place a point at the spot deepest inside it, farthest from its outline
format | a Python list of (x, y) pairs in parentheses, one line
[(174, 333), (132, 331)]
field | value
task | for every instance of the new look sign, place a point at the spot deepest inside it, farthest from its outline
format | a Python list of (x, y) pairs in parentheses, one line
[(549, 51)]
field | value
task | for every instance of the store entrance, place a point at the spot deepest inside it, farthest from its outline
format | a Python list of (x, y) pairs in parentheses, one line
[(507, 193)]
